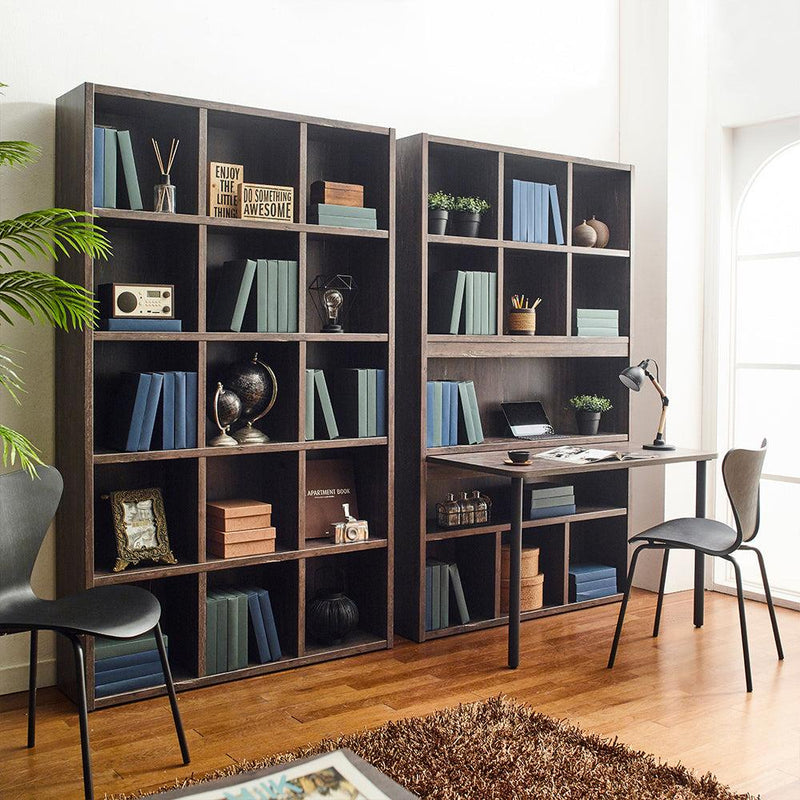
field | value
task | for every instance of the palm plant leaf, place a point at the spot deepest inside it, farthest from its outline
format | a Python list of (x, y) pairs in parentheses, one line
[(51, 232), (38, 297), (18, 154), (16, 446), (9, 378)]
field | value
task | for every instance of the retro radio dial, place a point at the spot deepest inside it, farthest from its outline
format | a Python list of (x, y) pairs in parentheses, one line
[(126, 301)]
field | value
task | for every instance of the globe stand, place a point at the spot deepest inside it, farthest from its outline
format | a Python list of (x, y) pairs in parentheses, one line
[(222, 439), (250, 435)]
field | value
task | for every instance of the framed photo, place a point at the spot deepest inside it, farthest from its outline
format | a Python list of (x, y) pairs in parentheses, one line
[(140, 527)]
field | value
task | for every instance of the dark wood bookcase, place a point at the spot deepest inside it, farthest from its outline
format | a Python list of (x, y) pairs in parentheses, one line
[(551, 366), (188, 249)]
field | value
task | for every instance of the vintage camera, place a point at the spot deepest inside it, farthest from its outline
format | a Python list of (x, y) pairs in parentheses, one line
[(351, 530)]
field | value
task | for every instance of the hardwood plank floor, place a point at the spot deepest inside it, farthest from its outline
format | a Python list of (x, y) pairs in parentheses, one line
[(680, 696)]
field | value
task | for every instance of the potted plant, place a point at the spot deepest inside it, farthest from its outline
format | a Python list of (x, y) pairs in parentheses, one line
[(439, 206), (588, 408), (467, 213)]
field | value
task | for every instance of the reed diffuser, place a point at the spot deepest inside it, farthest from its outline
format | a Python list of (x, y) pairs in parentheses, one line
[(164, 192)]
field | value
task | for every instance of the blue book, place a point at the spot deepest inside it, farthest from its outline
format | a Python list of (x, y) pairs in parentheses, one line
[(437, 413), (126, 673), (257, 621), (380, 416), (110, 168), (119, 687), (191, 409), (515, 210), (180, 410), (533, 227), (453, 412), (446, 389), (269, 624), (130, 660), (167, 435), (428, 598), (523, 211), (608, 585), (554, 511), (594, 594), (150, 411), (544, 212), (99, 157), (429, 416), (578, 573), (133, 324), (556, 209), (129, 411)]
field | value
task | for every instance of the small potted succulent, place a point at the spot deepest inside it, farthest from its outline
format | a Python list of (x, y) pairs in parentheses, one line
[(588, 408), (467, 213), (440, 204)]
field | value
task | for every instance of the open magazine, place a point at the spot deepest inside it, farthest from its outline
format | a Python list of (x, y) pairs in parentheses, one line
[(585, 455)]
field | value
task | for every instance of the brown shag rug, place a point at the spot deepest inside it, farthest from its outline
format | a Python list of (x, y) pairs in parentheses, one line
[(504, 750)]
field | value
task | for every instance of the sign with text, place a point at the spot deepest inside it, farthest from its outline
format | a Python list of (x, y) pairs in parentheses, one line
[(258, 201), (224, 181)]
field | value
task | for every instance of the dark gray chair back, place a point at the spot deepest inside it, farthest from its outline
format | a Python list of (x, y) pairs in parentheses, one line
[(741, 471), (27, 507)]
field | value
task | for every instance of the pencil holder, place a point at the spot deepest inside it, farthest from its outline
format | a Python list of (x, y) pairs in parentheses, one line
[(522, 321)]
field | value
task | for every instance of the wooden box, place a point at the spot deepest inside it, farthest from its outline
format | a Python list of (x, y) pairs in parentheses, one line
[(337, 194), (531, 596), (529, 567)]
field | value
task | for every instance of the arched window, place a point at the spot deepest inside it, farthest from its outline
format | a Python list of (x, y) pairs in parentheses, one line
[(765, 362)]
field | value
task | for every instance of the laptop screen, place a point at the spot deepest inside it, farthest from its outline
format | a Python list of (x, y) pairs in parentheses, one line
[(527, 418)]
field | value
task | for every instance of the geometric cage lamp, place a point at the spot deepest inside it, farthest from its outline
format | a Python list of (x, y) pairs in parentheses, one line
[(633, 377)]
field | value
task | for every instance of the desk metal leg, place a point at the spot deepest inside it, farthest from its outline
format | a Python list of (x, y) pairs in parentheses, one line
[(514, 582), (699, 558)]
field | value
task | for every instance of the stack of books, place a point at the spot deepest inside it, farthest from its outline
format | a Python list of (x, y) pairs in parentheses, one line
[(531, 207), (155, 411), (442, 578), (268, 307), (544, 500), (342, 216), (122, 665), (359, 400), (598, 322), (239, 625), (589, 581), (462, 302), (239, 528), (452, 415), (108, 143)]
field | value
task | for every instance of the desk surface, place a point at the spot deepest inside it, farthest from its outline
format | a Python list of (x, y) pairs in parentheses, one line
[(493, 462)]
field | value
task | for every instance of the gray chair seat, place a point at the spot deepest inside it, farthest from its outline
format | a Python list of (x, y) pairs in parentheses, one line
[(706, 535), (120, 612)]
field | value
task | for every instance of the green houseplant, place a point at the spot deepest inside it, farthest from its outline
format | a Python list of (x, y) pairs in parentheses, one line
[(439, 206), (588, 410), (467, 212), (38, 297)]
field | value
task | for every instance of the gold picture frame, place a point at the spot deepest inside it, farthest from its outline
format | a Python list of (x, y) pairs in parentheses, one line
[(140, 527)]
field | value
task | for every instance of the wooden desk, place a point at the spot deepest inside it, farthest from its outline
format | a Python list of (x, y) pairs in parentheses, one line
[(540, 469)]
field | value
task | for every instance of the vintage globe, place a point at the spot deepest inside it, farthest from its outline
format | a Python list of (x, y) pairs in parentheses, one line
[(254, 385), (229, 408)]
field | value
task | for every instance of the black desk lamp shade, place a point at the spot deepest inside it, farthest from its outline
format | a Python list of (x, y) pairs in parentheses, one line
[(633, 377)]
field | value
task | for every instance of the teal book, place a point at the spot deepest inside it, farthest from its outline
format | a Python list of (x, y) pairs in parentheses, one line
[(232, 642), (485, 300), (309, 405), (261, 295), (111, 648), (326, 407), (428, 598), (597, 331), (437, 413), (453, 437), (243, 641), (474, 412), (372, 402), (222, 632), (445, 301), (212, 608), (458, 593), (469, 307), (283, 296), (129, 170), (272, 296), (380, 402), (429, 414), (329, 209), (477, 302), (233, 292), (551, 502), (293, 292), (110, 169), (99, 163), (466, 425), (343, 222), (350, 402), (191, 409), (606, 313), (446, 389), (597, 321), (492, 303), (150, 411)]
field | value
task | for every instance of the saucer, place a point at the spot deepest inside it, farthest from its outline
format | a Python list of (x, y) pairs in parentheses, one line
[(517, 463)]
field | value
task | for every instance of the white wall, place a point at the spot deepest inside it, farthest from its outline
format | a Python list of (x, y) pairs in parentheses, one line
[(535, 74)]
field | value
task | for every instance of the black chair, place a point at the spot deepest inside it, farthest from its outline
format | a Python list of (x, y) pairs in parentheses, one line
[(741, 471), (27, 507)]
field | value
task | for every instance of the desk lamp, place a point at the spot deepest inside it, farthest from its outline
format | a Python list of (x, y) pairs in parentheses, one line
[(633, 378)]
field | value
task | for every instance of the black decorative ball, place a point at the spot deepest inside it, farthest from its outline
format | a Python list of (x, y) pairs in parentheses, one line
[(252, 383), (331, 616)]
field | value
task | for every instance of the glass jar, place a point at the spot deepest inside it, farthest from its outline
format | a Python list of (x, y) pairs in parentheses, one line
[(488, 501), (448, 513), (481, 508), (467, 509)]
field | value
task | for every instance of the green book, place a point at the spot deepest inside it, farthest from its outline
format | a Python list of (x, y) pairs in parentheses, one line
[(458, 593), (372, 402), (129, 170), (492, 303), (476, 416), (484, 303), (326, 408), (292, 311), (598, 322), (469, 300), (232, 650), (283, 296), (437, 413), (329, 209), (309, 404), (261, 295), (243, 644), (608, 313), (110, 169), (212, 605), (466, 433), (110, 648), (476, 303), (272, 296), (344, 222), (221, 660), (597, 331), (445, 301), (233, 291)]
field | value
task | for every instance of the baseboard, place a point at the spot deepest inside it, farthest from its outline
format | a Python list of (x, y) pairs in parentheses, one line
[(15, 678)]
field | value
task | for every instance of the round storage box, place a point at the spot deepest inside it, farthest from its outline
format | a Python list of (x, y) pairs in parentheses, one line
[(531, 596), (522, 321)]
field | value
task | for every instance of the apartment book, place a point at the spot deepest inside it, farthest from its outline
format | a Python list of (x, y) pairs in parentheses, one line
[(589, 581), (532, 207), (452, 414), (154, 411), (110, 147), (443, 584), (257, 295), (597, 321), (462, 301), (123, 665), (342, 216), (543, 500)]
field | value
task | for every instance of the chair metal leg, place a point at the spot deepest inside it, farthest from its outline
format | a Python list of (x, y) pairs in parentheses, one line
[(173, 700), (83, 713), (743, 623), (662, 583), (612, 656), (768, 596), (34, 662)]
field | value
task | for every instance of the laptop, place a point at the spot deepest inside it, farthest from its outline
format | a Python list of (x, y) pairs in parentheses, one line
[(528, 420)]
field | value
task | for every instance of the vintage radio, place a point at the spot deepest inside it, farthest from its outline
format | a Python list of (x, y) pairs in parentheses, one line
[(121, 300)]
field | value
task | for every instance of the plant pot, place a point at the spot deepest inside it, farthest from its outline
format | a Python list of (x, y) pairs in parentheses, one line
[(437, 221), (331, 616), (466, 223), (588, 422)]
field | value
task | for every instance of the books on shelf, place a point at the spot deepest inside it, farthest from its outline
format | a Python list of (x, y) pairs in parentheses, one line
[(598, 322), (259, 295), (443, 584), (154, 411), (239, 527), (588, 581), (123, 665), (532, 206), (141, 324), (357, 396), (110, 146), (543, 500), (319, 408), (452, 415), (462, 301), (585, 455), (342, 216)]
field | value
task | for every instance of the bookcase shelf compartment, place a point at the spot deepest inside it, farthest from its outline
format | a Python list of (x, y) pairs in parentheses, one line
[(605, 193), (538, 275), (443, 346)]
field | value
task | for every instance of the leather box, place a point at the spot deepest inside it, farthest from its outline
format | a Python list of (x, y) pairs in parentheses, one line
[(230, 545), (249, 535), (337, 194), (237, 515)]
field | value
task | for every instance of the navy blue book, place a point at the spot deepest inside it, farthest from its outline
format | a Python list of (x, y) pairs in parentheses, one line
[(593, 594), (180, 410), (126, 673), (150, 411), (191, 409), (555, 511), (99, 157), (578, 573), (126, 421), (556, 209), (269, 624), (129, 660), (380, 393), (606, 585), (118, 687), (257, 622), (132, 324), (166, 418)]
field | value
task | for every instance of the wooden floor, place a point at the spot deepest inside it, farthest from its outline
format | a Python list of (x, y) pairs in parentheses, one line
[(681, 697)]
